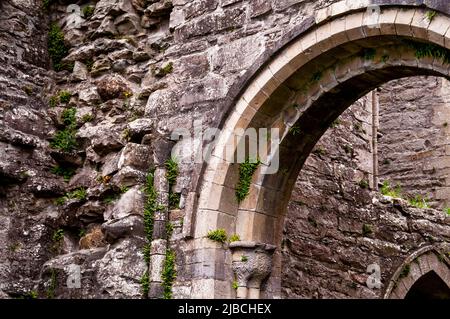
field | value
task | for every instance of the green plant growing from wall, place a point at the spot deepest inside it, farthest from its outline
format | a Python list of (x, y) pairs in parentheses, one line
[(316, 77), (246, 171), (320, 151), (88, 11), (167, 69), (151, 205), (14, 247), (124, 189), (64, 96), (335, 123), (244, 258), (87, 118), (234, 237), (79, 194), (65, 172), (57, 238), (145, 284), (387, 190), (235, 285), (65, 139), (57, 48), (423, 50), (367, 229), (419, 202), (218, 235), (169, 273), (364, 184), (89, 64), (447, 211), (431, 15), (53, 101), (28, 90), (50, 293), (169, 230), (150, 208), (58, 235), (405, 271), (295, 130), (30, 295), (146, 252), (368, 53), (172, 172), (348, 149), (81, 233)]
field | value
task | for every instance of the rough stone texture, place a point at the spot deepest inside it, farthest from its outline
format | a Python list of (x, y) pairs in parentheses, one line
[(414, 140)]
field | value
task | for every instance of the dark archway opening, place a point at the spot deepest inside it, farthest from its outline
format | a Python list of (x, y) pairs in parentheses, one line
[(429, 286)]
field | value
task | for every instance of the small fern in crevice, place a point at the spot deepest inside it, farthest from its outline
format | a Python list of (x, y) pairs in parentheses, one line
[(218, 235), (88, 11), (57, 48), (431, 15), (151, 206), (168, 274), (246, 171), (172, 172), (65, 139), (405, 271), (65, 172), (145, 284), (234, 237), (419, 202), (387, 190)]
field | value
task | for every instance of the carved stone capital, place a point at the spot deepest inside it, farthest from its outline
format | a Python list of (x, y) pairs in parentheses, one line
[(252, 262)]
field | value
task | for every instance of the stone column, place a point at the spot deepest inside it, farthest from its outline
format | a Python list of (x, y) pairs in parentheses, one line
[(159, 242), (252, 263), (375, 124)]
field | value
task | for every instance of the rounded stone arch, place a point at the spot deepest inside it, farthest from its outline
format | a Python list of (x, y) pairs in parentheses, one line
[(337, 58), (427, 260)]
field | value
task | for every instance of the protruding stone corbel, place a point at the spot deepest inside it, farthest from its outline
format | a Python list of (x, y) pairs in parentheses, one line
[(252, 263)]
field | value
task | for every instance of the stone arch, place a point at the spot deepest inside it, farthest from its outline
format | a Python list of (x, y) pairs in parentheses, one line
[(427, 260), (338, 57)]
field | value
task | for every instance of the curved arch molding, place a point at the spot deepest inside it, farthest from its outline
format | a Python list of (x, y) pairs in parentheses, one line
[(264, 96)]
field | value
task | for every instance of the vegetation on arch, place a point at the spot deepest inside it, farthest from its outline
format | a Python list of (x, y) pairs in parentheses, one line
[(246, 171), (430, 50)]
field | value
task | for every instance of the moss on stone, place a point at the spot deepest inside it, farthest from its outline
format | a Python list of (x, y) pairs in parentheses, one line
[(423, 50), (367, 229), (405, 271), (88, 11)]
